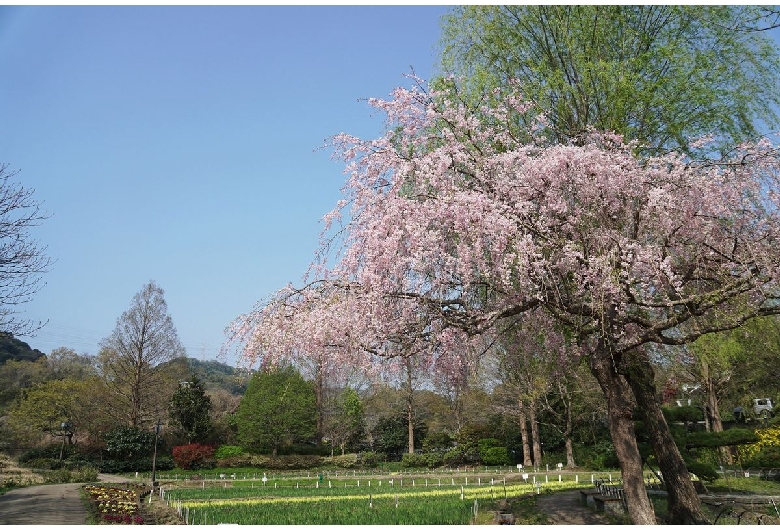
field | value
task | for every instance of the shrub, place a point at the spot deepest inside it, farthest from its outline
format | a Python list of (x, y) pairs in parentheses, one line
[(294, 462), (767, 439), (228, 451), (413, 460), (437, 441), (49, 451), (599, 456), (64, 475), (236, 461), (57, 476), (486, 443), (289, 462), (42, 463), (304, 449), (454, 457), (347, 461), (164, 463), (495, 456), (259, 460), (371, 458), (194, 456), (434, 459), (768, 456)]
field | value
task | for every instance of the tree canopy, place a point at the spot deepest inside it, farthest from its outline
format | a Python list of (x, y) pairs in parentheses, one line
[(657, 74), (190, 410), (276, 410)]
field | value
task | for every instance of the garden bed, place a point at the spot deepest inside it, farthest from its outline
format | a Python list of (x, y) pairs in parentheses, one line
[(111, 504)]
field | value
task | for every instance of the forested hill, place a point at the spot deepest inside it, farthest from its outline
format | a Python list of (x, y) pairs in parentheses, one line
[(13, 349), (215, 374)]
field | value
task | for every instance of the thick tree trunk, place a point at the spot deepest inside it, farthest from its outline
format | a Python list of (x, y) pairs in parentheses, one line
[(410, 404), (716, 422), (319, 403), (568, 427), (135, 393), (527, 461), (684, 502), (620, 407), (570, 463), (535, 442)]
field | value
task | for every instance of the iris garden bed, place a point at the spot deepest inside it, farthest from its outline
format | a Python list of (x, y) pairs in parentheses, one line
[(388, 502)]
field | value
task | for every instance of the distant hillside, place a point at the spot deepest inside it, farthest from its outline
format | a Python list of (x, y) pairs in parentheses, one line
[(13, 349), (215, 374)]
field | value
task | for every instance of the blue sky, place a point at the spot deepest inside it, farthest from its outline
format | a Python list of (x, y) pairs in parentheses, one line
[(180, 145)]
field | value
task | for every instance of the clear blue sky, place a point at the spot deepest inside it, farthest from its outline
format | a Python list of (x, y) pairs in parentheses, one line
[(179, 144)]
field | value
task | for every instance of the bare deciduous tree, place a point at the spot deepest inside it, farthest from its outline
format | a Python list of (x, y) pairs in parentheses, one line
[(22, 261), (132, 357)]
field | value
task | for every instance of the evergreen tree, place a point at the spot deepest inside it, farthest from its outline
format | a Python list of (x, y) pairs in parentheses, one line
[(190, 411), (277, 409)]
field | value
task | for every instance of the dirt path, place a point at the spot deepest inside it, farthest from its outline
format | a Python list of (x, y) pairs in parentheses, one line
[(55, 504), (565, 508)]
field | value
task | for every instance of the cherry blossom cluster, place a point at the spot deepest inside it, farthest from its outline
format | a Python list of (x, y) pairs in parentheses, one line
[(462, 216)]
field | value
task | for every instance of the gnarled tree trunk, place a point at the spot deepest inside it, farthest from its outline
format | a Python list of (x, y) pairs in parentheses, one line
[(620, 406), (684, 502)]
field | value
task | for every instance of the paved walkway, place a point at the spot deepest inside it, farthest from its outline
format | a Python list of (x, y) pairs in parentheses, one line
[(50, 504)]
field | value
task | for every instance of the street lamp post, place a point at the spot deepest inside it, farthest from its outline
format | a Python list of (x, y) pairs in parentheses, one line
[(65, 425), (154, 457)]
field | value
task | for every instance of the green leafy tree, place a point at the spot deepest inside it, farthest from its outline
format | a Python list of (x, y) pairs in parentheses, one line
[(15, 376), (277, 409), (759, 339), (128, 443), (390, 435), (190, 411), (43, 409), (657, 74), (40, 411), (65, 363), (345, 422)]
